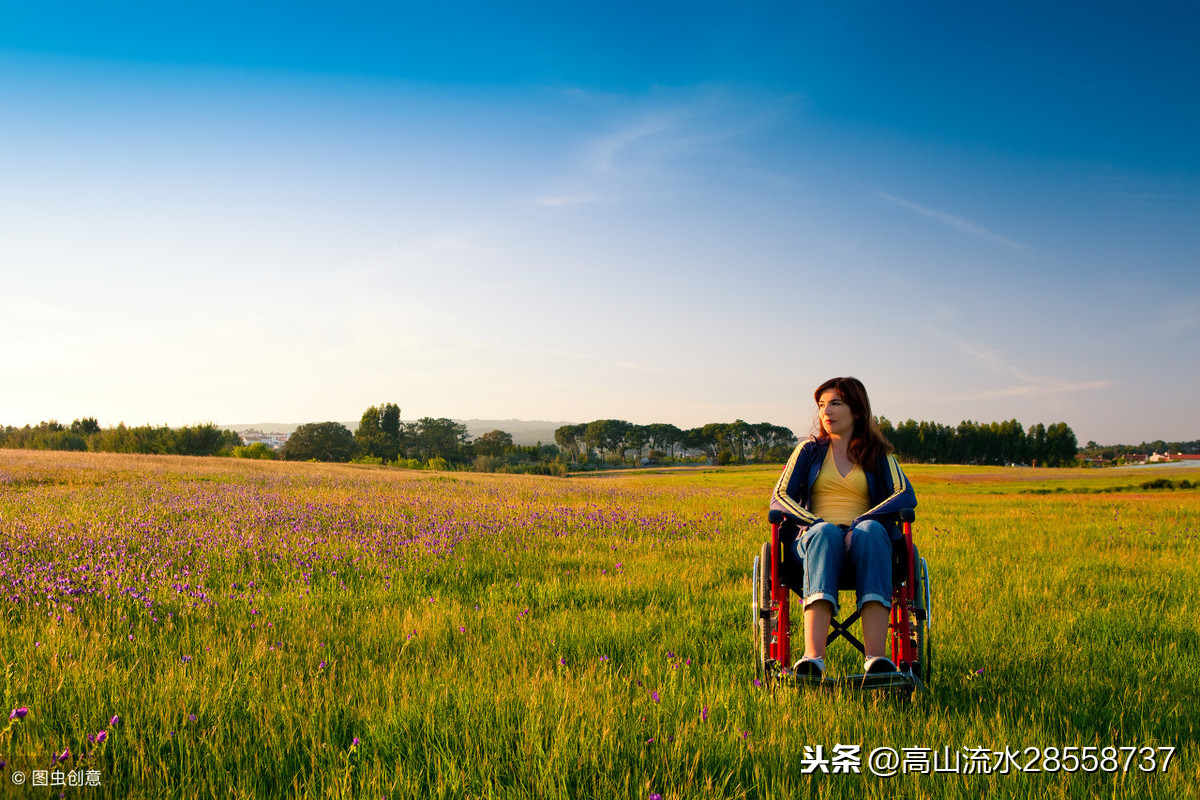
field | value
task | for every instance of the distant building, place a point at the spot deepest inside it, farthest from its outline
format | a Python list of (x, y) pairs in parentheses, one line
[(272, 440)]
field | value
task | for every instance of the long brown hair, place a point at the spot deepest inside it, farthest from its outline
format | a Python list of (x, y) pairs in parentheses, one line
[(867, 443)]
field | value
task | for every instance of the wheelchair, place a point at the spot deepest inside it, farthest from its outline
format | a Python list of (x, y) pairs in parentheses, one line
[(909, 623)]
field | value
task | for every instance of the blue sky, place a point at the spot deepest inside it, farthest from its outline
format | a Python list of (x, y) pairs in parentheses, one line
[(683, 213)]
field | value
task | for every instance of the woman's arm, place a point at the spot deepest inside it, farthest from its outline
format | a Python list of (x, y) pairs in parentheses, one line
[(790, 492), (900, 491)]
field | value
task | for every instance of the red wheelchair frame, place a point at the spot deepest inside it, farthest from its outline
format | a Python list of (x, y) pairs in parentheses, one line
[(908, 624)]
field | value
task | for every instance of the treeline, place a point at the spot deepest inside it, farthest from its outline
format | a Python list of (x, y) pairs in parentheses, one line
[(383, 438), (439, 443), (1118, 453), (995, 443), (737, 442), (87, 435)]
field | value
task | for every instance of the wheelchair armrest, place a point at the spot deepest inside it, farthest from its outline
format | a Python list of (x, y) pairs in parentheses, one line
[(776, 517)]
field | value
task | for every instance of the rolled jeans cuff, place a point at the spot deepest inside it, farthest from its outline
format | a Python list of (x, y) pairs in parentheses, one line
[(815, 596), (887, 601)]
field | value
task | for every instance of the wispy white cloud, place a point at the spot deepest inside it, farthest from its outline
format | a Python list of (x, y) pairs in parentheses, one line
[(1018, 380), (565, 201), (954, 221), (572, 355), (1179, 318), (607, 150), (1040, 387), (648, 134), (468, 243)]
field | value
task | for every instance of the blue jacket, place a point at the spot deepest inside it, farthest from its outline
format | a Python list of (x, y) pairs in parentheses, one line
[(888, 489)]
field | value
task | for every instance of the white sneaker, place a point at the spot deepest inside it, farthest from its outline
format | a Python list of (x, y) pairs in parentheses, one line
[(879, 664), (809, 668)]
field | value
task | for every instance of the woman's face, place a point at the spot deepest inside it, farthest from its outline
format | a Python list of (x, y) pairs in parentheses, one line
[(836, 418)]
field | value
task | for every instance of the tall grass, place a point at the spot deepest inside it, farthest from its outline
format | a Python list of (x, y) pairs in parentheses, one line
[(301, 630)]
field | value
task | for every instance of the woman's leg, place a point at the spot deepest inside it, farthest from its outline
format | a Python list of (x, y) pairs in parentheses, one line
[(871, 553), (875, 626), (817, 616), (823, 549)]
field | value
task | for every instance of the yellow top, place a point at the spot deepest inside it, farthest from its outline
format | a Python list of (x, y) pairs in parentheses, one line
[(837, 499)]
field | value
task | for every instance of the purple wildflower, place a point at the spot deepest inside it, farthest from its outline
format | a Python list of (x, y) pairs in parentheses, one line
[(112, 723), (355, 742), (704, 714), (101, 736), (18, 713), (64, 756), (654, 696)]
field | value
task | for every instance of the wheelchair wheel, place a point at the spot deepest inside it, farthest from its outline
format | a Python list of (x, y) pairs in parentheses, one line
[(755, 631), (924, 620), (765, 622), (927, 654)]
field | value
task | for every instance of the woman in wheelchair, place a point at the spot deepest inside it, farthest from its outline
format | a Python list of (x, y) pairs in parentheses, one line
[(840, 491)]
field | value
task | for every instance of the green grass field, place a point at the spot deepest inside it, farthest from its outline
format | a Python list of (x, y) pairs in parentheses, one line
[(262, 629)]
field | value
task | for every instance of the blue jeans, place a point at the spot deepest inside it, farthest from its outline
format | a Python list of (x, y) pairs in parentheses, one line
[(823, 550)]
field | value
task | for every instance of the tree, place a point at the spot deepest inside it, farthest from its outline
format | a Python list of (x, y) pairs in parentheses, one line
[(706, 438), (1061, 445), (202, 440), (438, 438), (86, 426), (571, 439), (389, 423), (378, 433), (736, 435), (664, 437), (320, 441), (493, 443), (1035, 444), (1011, 442), (368, 435), (607, 436), (770, 442), (636, 439)]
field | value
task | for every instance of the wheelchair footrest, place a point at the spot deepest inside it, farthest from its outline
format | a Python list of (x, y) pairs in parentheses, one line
[(905, 681)]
